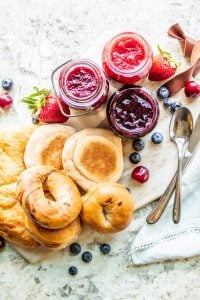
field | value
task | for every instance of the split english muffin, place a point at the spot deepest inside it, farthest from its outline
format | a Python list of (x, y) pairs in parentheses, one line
[(46, 144), (93, 155)]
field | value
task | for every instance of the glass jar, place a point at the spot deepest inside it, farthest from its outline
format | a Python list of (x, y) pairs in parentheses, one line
[(127, 58), (82, 85), (132, 112)]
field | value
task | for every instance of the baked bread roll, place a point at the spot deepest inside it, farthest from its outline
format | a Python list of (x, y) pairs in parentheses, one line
[(54, 238), (107, 207), (46, 144), (12, 145), (8, 196), (93, 155), (12, 227), (49, 197), (12, 217)]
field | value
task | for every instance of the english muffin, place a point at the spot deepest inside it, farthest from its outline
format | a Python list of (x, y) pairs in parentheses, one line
[(93, 155), (46, 144)]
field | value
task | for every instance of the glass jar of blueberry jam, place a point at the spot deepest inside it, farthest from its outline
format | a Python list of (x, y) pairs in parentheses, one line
[(132, 112), (126, 58), (82, 84)]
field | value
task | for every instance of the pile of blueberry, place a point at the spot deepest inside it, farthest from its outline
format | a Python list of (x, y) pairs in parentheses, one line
[(163, 94), (140, 173), (75, 249)]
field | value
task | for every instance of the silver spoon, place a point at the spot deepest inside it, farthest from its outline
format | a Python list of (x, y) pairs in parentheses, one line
[(180, 130)]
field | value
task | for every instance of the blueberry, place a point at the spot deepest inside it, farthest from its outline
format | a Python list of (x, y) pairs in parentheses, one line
[(163, 92), (7, 84), (157, 138), (35, 120), (167, 102), (175, 105), (138, 144), (75, 248), (135, 158), (105, 248), (87, 256), (73, 270)]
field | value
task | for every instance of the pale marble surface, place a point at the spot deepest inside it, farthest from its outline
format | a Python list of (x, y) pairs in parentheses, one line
[(34, 37)]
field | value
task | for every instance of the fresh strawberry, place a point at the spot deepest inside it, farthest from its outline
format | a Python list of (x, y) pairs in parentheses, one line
[(163, 66), (45, 108)]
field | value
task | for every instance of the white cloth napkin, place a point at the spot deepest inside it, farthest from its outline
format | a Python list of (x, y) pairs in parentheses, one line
[(166, 240)]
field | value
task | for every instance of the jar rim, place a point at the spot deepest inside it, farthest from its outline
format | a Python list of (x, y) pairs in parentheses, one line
[(136, 70)]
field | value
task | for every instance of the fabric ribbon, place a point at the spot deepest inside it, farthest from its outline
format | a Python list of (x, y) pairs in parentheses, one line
[(191, 49)]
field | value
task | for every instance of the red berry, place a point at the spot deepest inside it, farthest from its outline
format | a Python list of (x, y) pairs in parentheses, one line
[(50, 113), (163, 67), (5, 100), (192, 89), (45, 108), (140, 174)]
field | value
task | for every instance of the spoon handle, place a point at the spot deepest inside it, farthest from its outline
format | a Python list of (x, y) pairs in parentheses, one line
[(177, 199), (158, 210)]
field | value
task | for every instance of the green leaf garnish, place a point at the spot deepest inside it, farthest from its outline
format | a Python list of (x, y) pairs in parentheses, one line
[(37, 99), (169, 58)]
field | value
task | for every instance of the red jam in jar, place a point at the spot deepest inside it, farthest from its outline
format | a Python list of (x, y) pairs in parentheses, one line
[(132, 112), (127, 58), (82, 84)]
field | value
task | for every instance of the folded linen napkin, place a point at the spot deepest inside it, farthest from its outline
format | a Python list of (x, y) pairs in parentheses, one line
[(166, 240)]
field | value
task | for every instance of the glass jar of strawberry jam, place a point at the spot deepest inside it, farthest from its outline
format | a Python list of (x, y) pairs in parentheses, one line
[(126, 58), (82, 85), (132, 112)]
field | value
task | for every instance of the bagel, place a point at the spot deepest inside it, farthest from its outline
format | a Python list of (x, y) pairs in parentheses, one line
[(54, 238), (107, 207), (49, 197), (46, 144), (93, 155)]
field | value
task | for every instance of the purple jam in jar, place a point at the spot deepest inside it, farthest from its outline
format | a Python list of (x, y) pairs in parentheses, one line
[(132, 112)]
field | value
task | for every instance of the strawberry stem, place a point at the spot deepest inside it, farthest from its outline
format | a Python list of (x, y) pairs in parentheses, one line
[(36, 100), (167, 55)]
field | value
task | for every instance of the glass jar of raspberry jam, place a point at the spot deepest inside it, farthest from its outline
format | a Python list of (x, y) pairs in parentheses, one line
[(126, 58), (132, 112), (82, 85)]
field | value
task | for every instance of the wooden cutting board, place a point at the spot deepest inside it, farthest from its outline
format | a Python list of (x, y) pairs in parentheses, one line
[(161, 160)]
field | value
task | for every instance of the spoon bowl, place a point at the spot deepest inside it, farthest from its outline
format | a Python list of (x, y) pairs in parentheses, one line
[(181, 124), (180, 130)]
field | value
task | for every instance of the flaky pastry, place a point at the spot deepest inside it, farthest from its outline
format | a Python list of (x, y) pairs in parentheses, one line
[(12, 217)]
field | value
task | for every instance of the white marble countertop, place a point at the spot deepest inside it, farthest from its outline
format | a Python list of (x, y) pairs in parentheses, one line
[(35, 36)]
